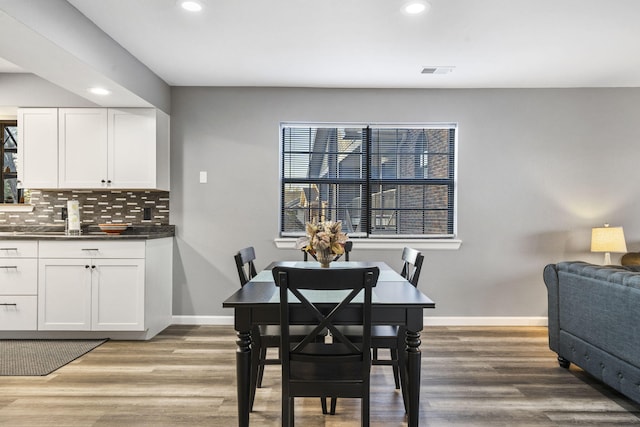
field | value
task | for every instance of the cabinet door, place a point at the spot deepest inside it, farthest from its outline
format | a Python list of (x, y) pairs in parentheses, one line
[(118, 295), (132, 148), (64, 294), (83, 148), (38, 147)]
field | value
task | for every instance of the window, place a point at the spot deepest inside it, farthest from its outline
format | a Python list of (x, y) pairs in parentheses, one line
[(380, 181), (8, 162)]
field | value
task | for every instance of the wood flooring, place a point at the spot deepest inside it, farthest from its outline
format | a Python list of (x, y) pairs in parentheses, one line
[(185, 376)]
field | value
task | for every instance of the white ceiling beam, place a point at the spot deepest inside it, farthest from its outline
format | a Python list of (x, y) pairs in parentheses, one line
[(52, 39)]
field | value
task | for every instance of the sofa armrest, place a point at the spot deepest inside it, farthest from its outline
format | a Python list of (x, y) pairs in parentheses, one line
[(550, 275)]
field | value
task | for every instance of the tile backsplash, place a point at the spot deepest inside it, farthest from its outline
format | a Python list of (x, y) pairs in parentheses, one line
[(96, 207)]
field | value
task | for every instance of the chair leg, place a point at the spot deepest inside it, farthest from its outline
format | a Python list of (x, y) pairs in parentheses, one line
[(287, 411), (263, 357), (255, 366), (292, 418), (365, 410), (334, 400), (396, 373), (323, 403)]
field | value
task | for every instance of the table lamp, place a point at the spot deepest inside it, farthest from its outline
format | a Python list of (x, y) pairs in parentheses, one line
[(608, 239)]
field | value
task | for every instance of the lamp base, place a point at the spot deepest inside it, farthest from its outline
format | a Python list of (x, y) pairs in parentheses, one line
[(607, 258)]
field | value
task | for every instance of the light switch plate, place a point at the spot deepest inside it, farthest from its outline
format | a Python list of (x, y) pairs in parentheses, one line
[(203, 177)]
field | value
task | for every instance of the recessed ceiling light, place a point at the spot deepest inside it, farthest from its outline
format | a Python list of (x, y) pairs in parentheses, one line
[(191, 5), (99, 91), (416, 7)]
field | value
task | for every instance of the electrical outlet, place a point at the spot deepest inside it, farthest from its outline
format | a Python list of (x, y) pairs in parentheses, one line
[(63, 214), (146, 214)]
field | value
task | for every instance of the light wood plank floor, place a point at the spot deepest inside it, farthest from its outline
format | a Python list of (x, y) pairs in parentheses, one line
[(186, 377)]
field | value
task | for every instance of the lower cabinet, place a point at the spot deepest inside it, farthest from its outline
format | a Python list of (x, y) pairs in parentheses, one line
[(91, 294), (18, 285), (85, 288)]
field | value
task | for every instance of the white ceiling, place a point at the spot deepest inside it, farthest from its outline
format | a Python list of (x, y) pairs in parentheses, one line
[(371, 43)]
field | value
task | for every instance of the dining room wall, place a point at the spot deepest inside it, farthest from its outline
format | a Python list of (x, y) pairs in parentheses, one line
[(537, 168)]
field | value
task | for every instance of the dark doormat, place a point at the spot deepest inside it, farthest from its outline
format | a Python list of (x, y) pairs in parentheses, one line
[(41, 357)]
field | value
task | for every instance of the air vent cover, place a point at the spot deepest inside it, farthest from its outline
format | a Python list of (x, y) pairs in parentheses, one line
[(437, 69)]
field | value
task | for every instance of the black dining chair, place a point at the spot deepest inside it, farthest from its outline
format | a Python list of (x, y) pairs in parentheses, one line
[(348, 246), (340, 367), (390, 336), (263, 337)]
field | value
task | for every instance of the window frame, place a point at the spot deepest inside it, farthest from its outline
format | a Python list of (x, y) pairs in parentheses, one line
[(448, 241), (3, 125)]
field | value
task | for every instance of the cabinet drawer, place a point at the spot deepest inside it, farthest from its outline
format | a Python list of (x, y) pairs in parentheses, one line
[(18, 276), (18, 249), (18, 313), (92, 249)]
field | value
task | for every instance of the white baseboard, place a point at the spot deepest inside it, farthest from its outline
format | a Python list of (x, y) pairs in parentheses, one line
[(485, 321), (428, 321)]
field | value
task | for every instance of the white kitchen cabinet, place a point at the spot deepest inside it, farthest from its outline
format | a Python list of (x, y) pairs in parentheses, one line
[(82, 139), (81, 288), (64, 289), (137, 149), (85, 288), (38, 147), (119, 148), (96, 148), (18, 285)]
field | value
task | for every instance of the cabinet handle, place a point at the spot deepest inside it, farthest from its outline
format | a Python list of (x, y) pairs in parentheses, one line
[(9, 266), (90, 249), (8, 249), (108, 181), (102, 181), (93, 266), (9, 304)]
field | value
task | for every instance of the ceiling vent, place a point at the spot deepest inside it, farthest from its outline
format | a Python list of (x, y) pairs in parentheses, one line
[(437, 70)]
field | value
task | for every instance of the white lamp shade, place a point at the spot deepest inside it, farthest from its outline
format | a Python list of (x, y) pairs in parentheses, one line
[(608, 239)]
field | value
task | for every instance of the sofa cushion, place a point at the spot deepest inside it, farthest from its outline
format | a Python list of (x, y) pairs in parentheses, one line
[(624, 275)]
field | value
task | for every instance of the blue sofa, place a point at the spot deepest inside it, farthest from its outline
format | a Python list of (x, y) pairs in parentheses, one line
[(594, 321)]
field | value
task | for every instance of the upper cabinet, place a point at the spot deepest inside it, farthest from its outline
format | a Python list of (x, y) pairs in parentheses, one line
[(82, 141), (38, 148), (109, 148)]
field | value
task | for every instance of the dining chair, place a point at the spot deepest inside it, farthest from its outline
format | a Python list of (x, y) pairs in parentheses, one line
[(263, 337), (339, 367), (348, 246), (390, 336)]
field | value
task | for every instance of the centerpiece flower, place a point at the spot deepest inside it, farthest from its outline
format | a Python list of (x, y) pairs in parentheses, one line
[(324, 241)]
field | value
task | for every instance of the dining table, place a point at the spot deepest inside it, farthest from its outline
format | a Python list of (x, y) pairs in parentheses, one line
[(395, 301)]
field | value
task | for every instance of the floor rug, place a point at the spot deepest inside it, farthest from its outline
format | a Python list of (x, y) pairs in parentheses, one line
[(41, 357)]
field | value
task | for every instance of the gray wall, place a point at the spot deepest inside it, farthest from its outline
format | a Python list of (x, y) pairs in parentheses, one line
[(537, 169)]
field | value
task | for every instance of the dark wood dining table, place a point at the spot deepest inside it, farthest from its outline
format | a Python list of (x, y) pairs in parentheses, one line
[(395, 302)]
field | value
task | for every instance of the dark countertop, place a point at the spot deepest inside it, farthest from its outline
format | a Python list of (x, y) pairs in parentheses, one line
[(48, 232)]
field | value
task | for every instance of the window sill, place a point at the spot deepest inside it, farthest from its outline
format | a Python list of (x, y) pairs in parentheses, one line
[(419, 244), (15, 207)]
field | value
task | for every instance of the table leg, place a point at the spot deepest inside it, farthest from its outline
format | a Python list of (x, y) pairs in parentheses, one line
[(413, 372), (243, 375)]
